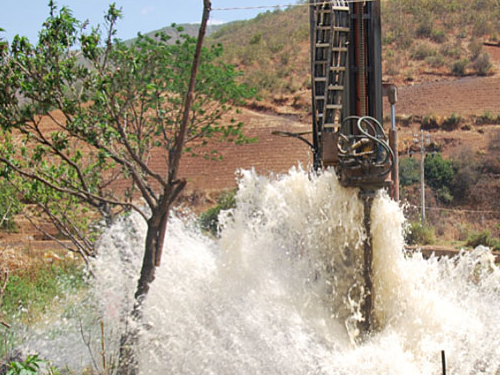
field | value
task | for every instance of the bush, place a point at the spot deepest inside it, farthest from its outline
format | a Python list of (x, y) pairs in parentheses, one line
[(423, 51), (453, 51), (391, 68), (436, 61), (209, 220), (483, 238), (494, 144), (400, 35), (444, 195), (430, 122), (458, 67), (424, 30), (439, 174), (439, 36), (468, 171), (452, 122), (256, 38), (482, 64), (486, 118), (418, 234), (409, 171), (475, 47), (404, 120), (481, 26)]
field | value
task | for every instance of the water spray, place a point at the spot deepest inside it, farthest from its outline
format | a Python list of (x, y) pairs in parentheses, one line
[(347, 96)]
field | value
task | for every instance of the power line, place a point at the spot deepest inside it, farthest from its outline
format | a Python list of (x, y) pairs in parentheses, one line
[(288, 5), (454, 210)]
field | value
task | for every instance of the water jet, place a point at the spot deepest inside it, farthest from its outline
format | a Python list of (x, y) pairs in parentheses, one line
[(347, 116)]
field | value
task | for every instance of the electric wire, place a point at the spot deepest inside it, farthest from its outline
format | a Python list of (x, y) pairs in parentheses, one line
[(454, 210), (288, 5)]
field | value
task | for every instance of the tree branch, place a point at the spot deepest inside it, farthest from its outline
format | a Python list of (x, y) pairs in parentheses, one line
[(134, 156), (2, 291), (78, 193), (179, 141), (80, 249)]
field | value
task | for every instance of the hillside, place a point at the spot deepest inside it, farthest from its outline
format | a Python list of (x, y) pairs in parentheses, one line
[(445, 58), (423, 41), (459, 111), (174, 33)]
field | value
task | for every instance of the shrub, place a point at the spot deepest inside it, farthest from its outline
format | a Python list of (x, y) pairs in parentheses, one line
[(494, 144), (391, 69), (256, 38), (404, 120), (430, 122), (424, 30), (439, 174), (454, 52), (475, 47), (30, 366), (209, 220), (276, 47), (481, 26), (467, 174), (422, 51), (452, 122), (418, 234), (486, 118), (482, 64), (462, 33), (439, 36), (409, 171), (425, 23), (444, 195), (459, 66), (483, 238), (436, 61), (400, 35)]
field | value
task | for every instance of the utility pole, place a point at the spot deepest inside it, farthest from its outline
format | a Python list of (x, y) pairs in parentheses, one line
[(422, 175), (423, 142), (391, 92)]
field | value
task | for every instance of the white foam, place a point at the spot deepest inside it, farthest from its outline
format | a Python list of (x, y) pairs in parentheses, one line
[(279, 292)]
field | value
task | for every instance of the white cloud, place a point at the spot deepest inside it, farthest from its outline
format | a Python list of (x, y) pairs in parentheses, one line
[(145, 11), (215, 22)]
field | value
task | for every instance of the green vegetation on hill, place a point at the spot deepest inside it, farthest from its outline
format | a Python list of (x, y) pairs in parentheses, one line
[(272, 48), (441, 36), (456, 180), (445, 34), (174, 32)]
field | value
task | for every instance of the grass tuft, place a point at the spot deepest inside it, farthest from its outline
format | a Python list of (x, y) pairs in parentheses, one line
[(30, 293)]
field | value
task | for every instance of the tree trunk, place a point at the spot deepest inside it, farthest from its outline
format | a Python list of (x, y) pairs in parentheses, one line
[(157, 224), (128, 363), (148, 269)]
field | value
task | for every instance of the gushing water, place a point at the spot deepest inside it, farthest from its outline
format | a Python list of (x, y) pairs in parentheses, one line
[(280, 292)]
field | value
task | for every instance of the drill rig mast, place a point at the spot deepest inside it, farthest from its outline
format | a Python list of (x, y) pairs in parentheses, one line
[(347, 115)]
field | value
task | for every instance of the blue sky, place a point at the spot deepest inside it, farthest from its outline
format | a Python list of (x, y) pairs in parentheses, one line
[(25, 17)]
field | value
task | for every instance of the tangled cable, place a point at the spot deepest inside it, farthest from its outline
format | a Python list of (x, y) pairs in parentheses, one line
[(367, 150)]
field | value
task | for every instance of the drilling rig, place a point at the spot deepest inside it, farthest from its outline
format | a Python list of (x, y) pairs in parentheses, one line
[(347, 131)]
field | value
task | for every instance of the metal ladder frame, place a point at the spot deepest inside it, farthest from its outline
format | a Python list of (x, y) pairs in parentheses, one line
[(330, 26)]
